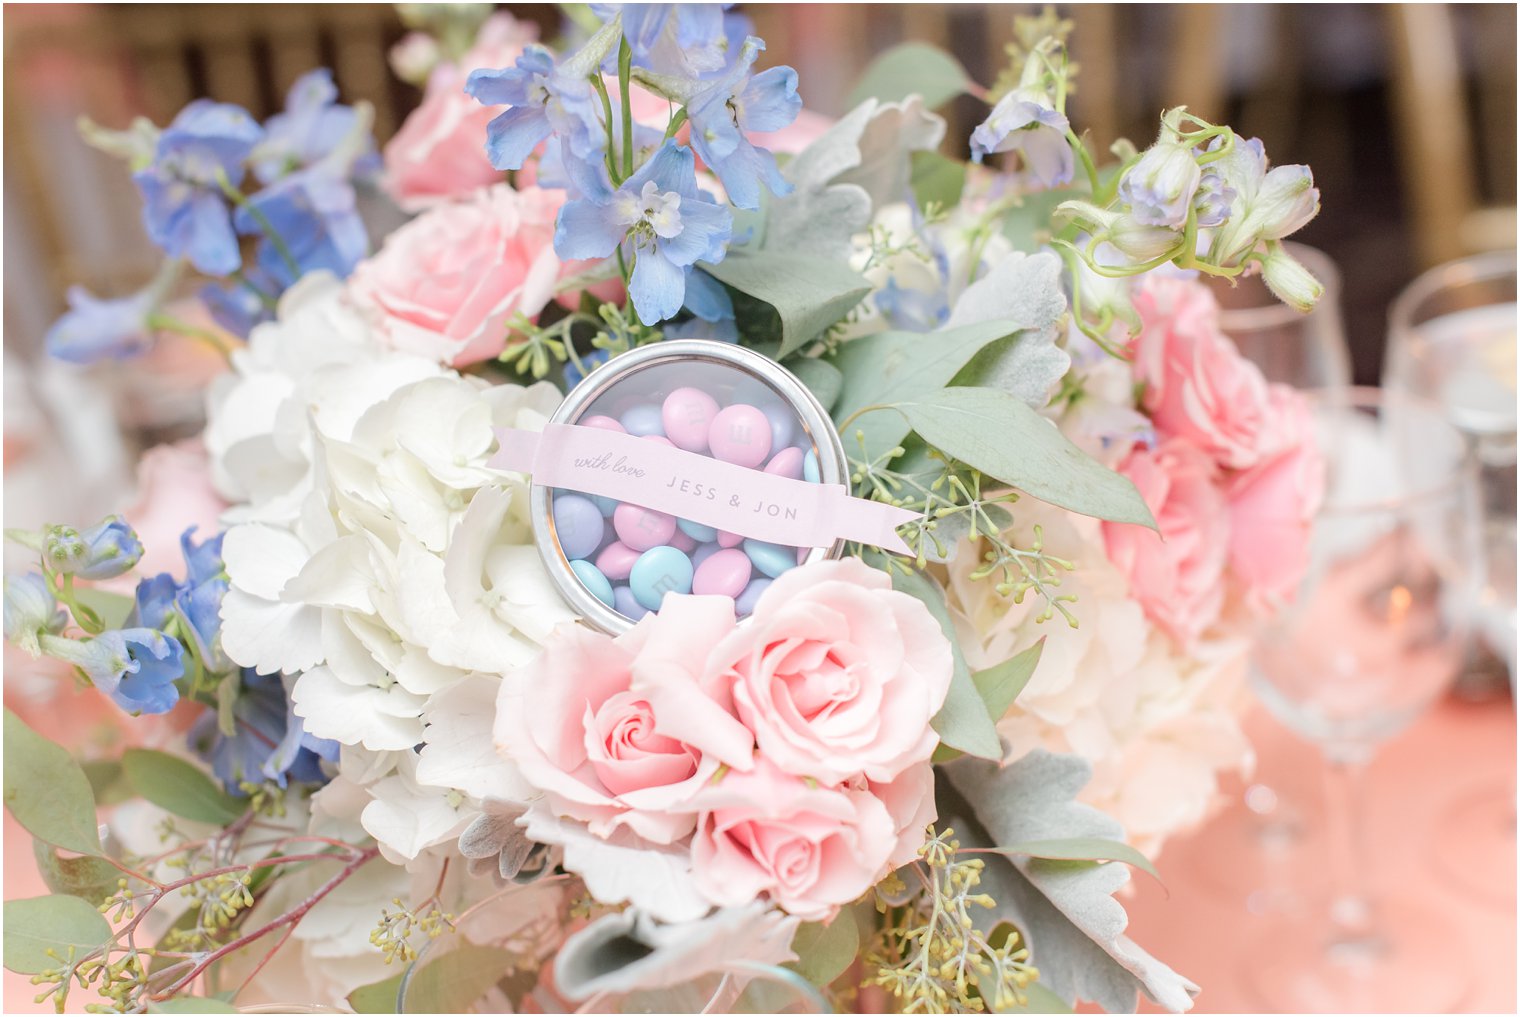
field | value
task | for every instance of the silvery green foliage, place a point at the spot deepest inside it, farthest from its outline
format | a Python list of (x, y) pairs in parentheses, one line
[(1024, 289), (1066, 910), (860, 163), (631, 951)]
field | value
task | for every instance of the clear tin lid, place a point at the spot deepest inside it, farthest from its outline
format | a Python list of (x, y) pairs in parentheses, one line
[(613, 560)]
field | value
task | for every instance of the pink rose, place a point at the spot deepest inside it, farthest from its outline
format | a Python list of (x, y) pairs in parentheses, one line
[(446, 284), (579, 731), (809, 848), (439, 152), (1177, 575), (909, 800), (838, 674), (174, 492), (1272, 507), (1197, 385)]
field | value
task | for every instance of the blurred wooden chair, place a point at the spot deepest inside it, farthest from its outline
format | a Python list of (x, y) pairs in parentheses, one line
[(1434, 114)]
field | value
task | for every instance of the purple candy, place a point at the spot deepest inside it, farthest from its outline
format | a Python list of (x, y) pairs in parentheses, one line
[(744, 605), (616, 560), (643, 420), (578, 525), (705, 552), (687, 415), (783, 424), (625, 604), (741, 435), (641, 528), (724, 574)]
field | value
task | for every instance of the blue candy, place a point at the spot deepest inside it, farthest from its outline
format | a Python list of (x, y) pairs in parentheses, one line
[(643, 420), (810, 467), (660, 570), (744, 606), (771, 559), (624, 603), (696, 531), (592, 579), (578, 524), (606, 505)]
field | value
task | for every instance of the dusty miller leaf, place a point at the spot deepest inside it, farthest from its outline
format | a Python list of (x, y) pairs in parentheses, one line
[(1065, 909), (1026, 289)]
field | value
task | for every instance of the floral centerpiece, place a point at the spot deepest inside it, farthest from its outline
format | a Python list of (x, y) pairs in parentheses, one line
[(912, 774)]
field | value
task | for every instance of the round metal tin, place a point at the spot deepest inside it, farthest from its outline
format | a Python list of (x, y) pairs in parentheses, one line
[(604, 380)]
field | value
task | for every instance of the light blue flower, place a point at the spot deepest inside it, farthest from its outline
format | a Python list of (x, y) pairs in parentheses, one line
[(103, 551), (1213, 200), (676, 39), (30, 610), (153, 602), (199, 598), (737, 103), (544, 100), (574, 374), (93, 329), (135, 667), (661, 221), (311, 126), (314, 211), (237, 308), (912, 310), (1159, 188), (269, 742), (184, 209), (1025, 121), (707, 298)]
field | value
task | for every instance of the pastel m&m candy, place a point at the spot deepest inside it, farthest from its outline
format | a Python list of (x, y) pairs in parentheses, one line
[(578, 525), (641, 528), (616, 561), (744, 604), (687, 415), (741, 435), (625, 604), (660, 570), (724, 573), (771, 559), (643, 420), (593, 580), (786, 463)]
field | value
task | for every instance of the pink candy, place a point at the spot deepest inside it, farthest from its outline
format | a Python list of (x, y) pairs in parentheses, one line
[(723, 573), (605, 423), (727, 540), (740, 434), (641, 528), (616, 561), (786, 463), (688, 415)]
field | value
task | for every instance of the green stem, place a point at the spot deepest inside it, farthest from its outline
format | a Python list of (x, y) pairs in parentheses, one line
[(1087, 163), (169, 323), (675, 123), (240, 199), (847, 421), (248, 284), (85, 616), (625, 73), (612, 164)]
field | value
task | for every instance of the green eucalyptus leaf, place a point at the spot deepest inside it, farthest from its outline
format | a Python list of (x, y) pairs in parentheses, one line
[(452, 981), (57, 923), (912, 68), (1038, 999), (807, 294), (192, 1004), (46, 790), (177, 786), (996, 433), (88, 876), (825, 951), (822, 379), (937, 179), (1000, 685), (1087, 849), (963, 722), (892, 367), (377, 997), (107, 781)]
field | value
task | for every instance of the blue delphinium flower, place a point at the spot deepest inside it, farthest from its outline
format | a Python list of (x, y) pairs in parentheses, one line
[(135, 667), (198, 600), (30, 610), (102, 551), (94, 329), (238, 309), (1026, 122), (544, 99), (677, 39), (912, 310), (589, 361), (153, 602), (312, 124), (661, 221), (315, 213), (1159, 188), (707, 298), (1214, 198), (737, 103), (184, 208), (269, 743)]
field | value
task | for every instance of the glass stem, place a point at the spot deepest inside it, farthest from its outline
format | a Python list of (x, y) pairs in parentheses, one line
[(1351, 908)]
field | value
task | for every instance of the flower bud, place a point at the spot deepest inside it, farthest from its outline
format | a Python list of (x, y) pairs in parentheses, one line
[(103, 551), (1213, 200), (1141, 242), (30, 610), (1289, 280), (1288, 199), (1160, 187)]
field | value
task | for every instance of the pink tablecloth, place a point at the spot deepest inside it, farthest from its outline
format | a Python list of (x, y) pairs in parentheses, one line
[(1205, 918)]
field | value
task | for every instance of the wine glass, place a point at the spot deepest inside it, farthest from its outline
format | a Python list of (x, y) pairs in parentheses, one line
[(1451, 338), (1251, 854), (1374, 635)]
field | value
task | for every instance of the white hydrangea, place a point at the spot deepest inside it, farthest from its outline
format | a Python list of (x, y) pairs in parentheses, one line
[(378, 557), (1158, 726)]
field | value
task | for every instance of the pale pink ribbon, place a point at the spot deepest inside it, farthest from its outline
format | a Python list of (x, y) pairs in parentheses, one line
[(777, 510)]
